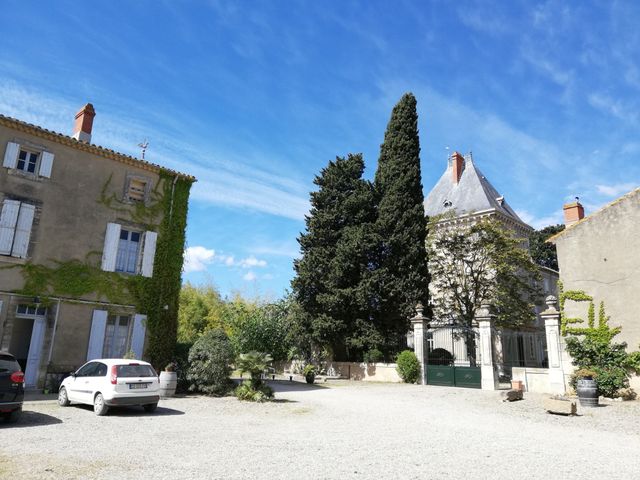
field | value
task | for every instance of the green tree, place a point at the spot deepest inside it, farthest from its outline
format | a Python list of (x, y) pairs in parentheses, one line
[(477, 264), (330, 284), (544, 253), (201, 309), (401, 276)]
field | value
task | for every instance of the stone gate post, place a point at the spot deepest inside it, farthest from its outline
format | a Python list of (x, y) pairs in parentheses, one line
[(487, 370), (420, 326), (551, 317)]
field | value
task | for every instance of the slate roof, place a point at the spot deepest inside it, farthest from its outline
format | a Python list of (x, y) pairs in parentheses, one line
[(473, 193)]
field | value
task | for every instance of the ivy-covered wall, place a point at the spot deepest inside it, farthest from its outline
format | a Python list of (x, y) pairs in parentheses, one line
[(157, 296)]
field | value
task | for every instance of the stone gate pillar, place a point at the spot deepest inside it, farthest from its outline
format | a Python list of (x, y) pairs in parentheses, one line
[(420, 326), (487, 370), (551, 317)]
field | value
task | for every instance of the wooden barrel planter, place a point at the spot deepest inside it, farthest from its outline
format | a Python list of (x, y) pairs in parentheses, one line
[(168, 383), (587, 392)]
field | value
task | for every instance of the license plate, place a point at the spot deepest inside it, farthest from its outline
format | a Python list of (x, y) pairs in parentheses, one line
[(135, 386)]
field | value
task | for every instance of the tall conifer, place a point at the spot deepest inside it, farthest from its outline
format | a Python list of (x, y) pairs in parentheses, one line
[(329, 275), (401, 276)]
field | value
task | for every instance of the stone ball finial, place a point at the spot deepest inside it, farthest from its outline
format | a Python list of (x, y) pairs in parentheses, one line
[(551, 301)]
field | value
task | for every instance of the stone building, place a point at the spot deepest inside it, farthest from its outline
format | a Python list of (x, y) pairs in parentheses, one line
[(461, 197), (79, 228), (600, 255)]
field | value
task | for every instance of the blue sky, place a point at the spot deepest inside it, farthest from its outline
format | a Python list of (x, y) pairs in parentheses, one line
[(255, 97)]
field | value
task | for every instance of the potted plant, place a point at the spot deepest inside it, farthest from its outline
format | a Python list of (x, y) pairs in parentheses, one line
[(586, 387), (168, 380), (309, 373)]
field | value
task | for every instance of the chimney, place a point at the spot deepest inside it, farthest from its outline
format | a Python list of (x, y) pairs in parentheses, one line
[(84, 123), (573, 212), (457, 162)]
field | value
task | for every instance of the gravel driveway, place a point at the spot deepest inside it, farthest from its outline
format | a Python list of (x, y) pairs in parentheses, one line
[(347, 430)]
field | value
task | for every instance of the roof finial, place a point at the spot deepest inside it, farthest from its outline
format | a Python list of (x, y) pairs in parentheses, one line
[(143, 146)]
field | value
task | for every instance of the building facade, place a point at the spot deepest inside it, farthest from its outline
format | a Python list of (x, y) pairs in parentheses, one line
[(79, 230), (461, 197), (600, 255)]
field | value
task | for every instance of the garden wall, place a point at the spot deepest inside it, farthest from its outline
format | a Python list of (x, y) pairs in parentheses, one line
[(367, 372), (534, 379)]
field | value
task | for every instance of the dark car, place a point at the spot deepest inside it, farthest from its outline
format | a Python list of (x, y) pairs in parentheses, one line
[(11, 387)]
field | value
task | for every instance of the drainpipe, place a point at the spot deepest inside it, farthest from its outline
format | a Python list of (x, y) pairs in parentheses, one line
[(53, 335)]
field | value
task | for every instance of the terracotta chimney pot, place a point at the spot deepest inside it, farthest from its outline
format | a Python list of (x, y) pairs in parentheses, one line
[(457, 163), (84, 123), (573, 212)]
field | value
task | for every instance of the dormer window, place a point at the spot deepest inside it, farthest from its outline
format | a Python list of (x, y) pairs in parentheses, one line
[(446, 204)]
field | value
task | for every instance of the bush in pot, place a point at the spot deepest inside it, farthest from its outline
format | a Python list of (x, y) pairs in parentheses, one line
[(309, 373)]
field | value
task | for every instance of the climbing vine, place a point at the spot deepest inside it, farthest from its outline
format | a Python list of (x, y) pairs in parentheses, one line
[(566, 322), (155, 296)]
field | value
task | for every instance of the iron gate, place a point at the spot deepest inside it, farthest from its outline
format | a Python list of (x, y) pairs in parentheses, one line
[(453, 357)]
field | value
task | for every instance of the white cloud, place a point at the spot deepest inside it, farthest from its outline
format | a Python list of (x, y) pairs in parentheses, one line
[(614, 107), (615, 190), (540, 222), (197, 258), (252, 261), (249, 276), (224, 178)]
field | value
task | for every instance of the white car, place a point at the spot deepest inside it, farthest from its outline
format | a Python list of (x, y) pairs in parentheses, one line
[(111, 382)]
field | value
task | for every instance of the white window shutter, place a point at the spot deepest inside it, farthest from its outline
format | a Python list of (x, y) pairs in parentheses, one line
[(11, 155), (96, 338), (149, 253), (138, 334), (23, 230), (8, 220), (46, 163), (110, 251)]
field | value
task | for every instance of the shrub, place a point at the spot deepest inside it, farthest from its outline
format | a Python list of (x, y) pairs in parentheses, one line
[(309, 373), (373, 356), (247, 392), (408, 366), (209, 363), (181, 361), (611, 380)]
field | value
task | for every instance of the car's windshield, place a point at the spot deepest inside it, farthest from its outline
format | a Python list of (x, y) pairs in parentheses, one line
[(8, 364), (136, 370)]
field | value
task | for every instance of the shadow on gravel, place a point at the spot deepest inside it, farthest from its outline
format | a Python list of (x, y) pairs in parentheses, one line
[(287, 386), (31, 419), (133, 411)]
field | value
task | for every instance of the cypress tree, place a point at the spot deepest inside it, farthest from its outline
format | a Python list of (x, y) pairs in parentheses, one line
[(401, 276), (329, 277)]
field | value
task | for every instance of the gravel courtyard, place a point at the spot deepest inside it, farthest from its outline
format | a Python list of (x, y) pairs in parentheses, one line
[(341, 431)]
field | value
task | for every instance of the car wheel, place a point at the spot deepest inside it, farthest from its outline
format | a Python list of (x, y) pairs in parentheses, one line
[(63, 399), (13, 417), (99, 407), (150, 407)]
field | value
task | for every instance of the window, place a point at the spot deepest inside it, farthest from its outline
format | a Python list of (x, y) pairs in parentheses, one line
[(128, 248), (87, 370), (135, 370), (128, 251), (32, 159), (137, 190), (16, 220), (116, 336), (31, 311), (27, 161)]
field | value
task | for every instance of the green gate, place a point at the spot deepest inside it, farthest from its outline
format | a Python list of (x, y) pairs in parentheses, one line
[(451, 350)]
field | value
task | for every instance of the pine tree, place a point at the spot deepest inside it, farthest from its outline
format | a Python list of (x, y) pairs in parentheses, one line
[(401, 278), (335, 257)]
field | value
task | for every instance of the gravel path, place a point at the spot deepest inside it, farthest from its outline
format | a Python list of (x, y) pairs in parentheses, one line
[(348, 430)]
